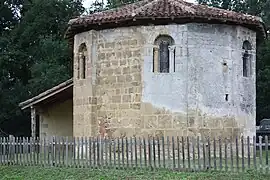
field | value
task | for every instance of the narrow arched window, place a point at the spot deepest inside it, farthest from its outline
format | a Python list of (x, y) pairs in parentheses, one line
[(246, 58), (163, 58), (82, 61)]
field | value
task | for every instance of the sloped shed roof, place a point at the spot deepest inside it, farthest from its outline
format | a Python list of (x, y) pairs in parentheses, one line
[(63, 90), (161, 12)]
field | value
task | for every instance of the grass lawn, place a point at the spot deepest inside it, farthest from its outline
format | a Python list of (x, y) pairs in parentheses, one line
[(36, 173)]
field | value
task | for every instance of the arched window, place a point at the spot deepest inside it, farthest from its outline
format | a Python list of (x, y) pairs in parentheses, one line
[(82, 61), (163, 59), (246, 58)]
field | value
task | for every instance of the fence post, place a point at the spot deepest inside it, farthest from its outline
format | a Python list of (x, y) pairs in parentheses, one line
[(199, 156), (10, 149), (220, 153), (260, 146), (248, 146), (209, 153), (188, 153), (54, 151), (254, 152), (215, 156), (1, 151), (183, 152), (237, 154), (193, 153), (226, 157), (243, 153), (266, 153), (28, 151)]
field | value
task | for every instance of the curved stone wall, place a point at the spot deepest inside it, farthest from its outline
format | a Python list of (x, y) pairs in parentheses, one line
[(205, 94)]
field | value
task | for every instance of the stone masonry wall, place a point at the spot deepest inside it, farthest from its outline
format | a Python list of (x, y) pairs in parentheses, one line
[(84, 100), (119, 85), (191, 101), (121, 95)]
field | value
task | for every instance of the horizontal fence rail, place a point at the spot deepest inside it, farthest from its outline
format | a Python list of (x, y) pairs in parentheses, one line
[(175, 153)]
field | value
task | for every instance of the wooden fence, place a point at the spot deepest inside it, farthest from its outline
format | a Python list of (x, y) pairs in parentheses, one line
[(176, 153)]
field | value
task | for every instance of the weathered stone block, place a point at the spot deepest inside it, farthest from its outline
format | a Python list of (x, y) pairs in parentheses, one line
[(150, 122), (164, 121), (116, 99)]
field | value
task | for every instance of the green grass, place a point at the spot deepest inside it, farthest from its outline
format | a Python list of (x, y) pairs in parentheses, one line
[(39, 173)]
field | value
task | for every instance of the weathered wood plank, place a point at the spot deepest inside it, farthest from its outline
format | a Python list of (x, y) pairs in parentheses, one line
[(127, 152), (248, 149), (101, 152), (183, 152), (226, 153), (199, 155), (1, 151), (209, 153), (145, 153), (140, 146), (66, 152), (254, 152), (188, 153), (95, 151), (123, 152), (260, 149), (178, 153), (193, 153), (204, 155), (220, 153), (215, 156), (168, 152), (231, 149), (149, 152), (114, 153), (136, 154), (131, 152), (154, 152), (118, 150), (237, 153), (173, 152), (243, 153), (163, 151), (266, 154), (91, 151)]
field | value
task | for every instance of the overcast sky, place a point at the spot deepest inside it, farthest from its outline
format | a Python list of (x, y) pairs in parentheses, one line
[(87, 3)]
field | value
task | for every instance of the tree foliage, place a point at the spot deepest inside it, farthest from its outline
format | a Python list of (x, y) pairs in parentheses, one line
[(34, 55), (101, 5)]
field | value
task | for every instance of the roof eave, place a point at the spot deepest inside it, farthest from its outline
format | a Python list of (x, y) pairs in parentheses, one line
[(75, 28), (46, 94)]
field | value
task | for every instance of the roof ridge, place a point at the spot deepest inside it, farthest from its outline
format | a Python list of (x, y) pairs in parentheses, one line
[(162, 12), (192, 10), (150, 2)]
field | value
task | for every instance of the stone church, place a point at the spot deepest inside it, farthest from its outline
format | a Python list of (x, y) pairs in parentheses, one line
[(155, 68)]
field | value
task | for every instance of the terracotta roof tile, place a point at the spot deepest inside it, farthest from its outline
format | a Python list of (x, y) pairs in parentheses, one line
[(154, 11)]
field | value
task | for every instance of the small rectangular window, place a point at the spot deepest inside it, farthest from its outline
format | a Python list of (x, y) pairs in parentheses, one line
[(247, 58), (174, 60), (245, 66), (161, 57), (83, 67)]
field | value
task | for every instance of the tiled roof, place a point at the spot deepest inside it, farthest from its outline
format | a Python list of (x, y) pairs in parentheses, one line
[(160, 12)]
